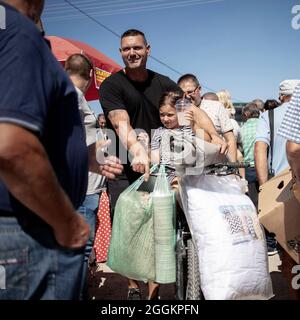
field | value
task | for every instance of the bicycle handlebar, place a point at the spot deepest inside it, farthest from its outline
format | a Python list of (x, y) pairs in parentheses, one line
[(230, 165)]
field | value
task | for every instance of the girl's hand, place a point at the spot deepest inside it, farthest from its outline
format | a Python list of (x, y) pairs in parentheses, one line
[(191, 113)]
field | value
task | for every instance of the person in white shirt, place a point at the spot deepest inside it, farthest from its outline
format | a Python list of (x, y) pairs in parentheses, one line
[(214, 109), (80, 71)]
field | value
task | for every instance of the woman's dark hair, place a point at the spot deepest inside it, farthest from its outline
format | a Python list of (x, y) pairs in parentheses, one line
[(170, 97), (271, 104)]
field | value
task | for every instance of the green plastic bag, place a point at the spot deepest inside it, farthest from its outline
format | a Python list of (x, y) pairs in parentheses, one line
[(142, 245), (131, 250)]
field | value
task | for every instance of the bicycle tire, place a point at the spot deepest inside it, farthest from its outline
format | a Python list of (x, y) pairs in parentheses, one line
[(180, 267), (193, 289)]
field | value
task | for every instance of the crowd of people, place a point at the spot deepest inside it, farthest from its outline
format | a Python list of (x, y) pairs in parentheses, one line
[(51, 178)]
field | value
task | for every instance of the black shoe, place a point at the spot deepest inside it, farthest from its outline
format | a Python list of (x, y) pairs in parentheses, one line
[(271, 244), (272, 247), (272, 250), (134, 294)]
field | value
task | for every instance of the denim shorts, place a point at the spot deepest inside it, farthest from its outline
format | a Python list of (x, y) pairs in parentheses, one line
[(33, 265)]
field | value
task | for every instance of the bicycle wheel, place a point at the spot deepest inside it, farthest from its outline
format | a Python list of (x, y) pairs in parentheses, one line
[(180, 267), (193, 290)]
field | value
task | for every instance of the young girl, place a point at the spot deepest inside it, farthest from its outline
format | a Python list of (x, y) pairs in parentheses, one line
[(162, 143)]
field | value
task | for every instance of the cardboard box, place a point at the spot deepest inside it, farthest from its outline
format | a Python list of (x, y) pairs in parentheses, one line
[(279, 211)]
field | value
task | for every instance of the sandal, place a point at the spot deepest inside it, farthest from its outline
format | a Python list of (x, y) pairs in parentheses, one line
[(134, 294)]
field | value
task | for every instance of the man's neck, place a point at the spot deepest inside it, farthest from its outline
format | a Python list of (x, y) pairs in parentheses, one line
[(285, 99), (80, 83), (136, 74), (32, 10)]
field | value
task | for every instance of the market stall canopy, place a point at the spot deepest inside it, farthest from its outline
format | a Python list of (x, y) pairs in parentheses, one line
[(62, 48)]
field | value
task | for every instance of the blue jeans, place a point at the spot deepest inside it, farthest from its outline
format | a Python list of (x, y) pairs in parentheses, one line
[(89, 211), (36, 267)]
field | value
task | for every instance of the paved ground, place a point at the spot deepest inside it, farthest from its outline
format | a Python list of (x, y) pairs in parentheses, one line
[(281, 277), (107, 285)]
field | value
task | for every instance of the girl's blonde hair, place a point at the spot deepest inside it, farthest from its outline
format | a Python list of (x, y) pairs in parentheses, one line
[(225, 98)]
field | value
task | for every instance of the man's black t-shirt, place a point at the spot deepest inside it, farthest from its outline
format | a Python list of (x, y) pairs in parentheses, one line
[(139, 99)]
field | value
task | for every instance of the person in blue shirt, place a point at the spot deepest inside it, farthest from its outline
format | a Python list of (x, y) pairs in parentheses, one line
[(266, 159), (43, 164), (290, 130), (263, 136)]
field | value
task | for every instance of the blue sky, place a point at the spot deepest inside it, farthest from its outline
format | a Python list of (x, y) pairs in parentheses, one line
[(247, 47)]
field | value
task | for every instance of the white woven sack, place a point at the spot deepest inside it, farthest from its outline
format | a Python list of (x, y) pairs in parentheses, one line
[(231, 245)]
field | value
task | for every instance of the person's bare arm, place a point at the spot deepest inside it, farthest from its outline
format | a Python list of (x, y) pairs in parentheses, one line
[(109, 166), (203, 121), (293, 156), (29, 176), (197, 128), (232, 148), (202, 134), (120, 120), (261, 161)]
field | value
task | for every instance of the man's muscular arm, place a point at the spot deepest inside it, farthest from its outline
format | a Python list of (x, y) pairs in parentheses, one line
[(28, 175), (120, 120), (261, 161)]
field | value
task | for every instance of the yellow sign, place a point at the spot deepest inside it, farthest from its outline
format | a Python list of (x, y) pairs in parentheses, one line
[(100, 76)]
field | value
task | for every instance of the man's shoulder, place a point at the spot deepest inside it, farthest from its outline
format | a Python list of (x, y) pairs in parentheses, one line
[(21, 28), (278, 112), (164, 79), (24, 39), (281, 109), (264, 116), (213, 107), (115, 77), (263, 128), (25, 44), (115, 80), (248, 125), (82, 102), (79, 92), (244, 127)]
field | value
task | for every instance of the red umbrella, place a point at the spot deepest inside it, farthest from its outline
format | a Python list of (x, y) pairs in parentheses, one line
[(62, 48)]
